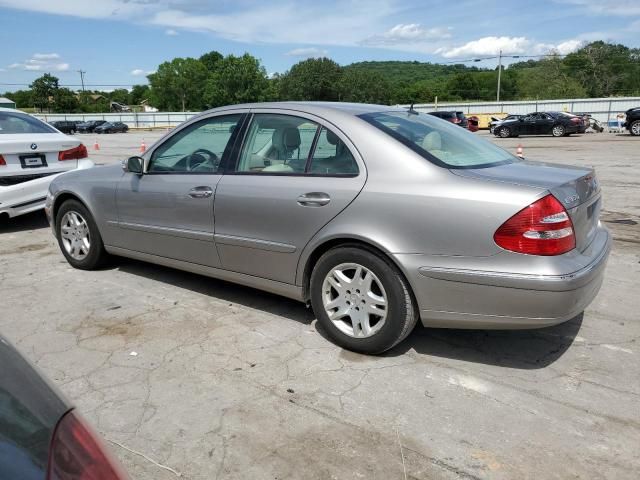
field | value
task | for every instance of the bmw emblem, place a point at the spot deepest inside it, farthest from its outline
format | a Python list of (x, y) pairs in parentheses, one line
[(34, 146)]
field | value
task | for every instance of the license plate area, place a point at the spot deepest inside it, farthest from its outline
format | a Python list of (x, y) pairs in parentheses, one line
[(33, 160)]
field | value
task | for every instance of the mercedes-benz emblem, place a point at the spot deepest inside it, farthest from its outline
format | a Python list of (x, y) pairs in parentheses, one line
[(34, 146)]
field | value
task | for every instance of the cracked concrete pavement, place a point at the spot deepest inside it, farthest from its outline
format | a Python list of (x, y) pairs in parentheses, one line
[(233, 383)]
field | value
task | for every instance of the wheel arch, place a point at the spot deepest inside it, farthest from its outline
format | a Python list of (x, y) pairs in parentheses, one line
[(345, 241), (60, 199)]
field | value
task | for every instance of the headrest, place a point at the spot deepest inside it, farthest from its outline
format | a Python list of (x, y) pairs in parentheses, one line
[(432, 141), (332, 138), (286, 138)]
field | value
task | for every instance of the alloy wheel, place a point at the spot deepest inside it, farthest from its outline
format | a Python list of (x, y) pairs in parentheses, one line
[(74, 232), (355, 300), (505, 132), (635, 128), (558, 131)]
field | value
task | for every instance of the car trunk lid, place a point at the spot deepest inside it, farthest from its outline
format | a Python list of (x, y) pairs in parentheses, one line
[(17, 149), (577, 188)]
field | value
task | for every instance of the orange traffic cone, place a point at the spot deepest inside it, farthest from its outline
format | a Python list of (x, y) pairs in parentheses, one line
[(96, 145), (143, 146), (519, 151)]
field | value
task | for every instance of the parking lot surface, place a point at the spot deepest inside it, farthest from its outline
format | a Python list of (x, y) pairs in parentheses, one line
[(190, 377)]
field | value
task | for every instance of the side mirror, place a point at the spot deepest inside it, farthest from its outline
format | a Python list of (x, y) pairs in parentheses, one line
[(133, 165)]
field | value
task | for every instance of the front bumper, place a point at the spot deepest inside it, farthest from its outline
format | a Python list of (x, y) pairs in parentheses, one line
[(453, 297)]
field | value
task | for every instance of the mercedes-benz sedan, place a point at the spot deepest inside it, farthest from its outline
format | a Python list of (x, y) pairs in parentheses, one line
[(377, 216)]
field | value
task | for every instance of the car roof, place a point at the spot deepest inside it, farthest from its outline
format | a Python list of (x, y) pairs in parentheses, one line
[(315, 107)]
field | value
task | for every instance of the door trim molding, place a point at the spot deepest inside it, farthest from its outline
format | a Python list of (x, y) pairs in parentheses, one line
[(174, 232), (254, 243)]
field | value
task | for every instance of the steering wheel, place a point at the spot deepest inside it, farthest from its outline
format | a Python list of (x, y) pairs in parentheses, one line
[(200, 157)]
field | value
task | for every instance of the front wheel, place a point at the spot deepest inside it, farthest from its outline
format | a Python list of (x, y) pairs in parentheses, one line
[(504, 132), (78, 236), (558, 131), (634, 129), (362, 300)]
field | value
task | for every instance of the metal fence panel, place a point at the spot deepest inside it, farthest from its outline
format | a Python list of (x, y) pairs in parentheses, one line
[(603, 109)]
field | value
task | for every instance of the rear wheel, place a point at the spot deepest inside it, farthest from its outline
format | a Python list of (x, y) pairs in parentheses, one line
[(558, 131), (504, 132), (362, 300), (635, 128), (78, 236)]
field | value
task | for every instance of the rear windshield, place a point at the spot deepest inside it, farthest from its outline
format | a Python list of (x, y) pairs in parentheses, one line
[(442, 143), (20, 123), (460, 115)]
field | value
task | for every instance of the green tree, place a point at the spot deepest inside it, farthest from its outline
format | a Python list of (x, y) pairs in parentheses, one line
[(43, 90), (312, 79), (236, 80), (120, 95), (179, 85), (603, 69), (210, 60), (23, 98), (65, 101), (363, 87), (139, 93), (549, 79)]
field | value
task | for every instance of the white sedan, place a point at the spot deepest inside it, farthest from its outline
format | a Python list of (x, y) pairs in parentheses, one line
[(32, 154)]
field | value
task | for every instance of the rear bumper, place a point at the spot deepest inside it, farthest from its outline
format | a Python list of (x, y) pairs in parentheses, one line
[(468, 298)]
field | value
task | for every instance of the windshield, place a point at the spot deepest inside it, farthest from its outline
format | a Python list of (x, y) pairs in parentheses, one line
[(20, 123), (440, 142)]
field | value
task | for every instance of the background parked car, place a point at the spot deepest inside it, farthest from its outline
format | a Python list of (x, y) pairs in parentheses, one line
[(558, 124), (473, 123), (633, 121), (66, 126), (454, 117), (88, 127), (495, 121), (41, 435), (32, 153), (111, 127)]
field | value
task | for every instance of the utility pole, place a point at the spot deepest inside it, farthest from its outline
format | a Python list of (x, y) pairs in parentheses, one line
[(499, 75), (82, 72)]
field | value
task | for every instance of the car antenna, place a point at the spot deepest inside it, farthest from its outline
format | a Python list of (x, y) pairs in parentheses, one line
[(412, 110)]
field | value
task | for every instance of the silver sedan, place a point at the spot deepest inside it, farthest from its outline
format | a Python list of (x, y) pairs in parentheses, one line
[(377, 216)]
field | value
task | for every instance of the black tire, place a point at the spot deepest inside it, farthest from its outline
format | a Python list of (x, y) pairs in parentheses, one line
[(634, 128), (97, 255), (504, 132), (402, 312), (558, 131)]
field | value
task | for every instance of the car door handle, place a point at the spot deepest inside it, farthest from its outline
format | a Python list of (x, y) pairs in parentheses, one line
[(200, 192), (314, 199)]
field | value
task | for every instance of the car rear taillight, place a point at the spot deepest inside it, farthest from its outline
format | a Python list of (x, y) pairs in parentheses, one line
[(576, 120), (76, 453), (74, 153), (542, 228), (2, 162)]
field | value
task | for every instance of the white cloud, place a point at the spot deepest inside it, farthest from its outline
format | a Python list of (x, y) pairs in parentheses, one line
[(487, 46), (171, 32), (136, 72), (46, 56), (41, 62), (310, 52), (408, 33), (490, 46)]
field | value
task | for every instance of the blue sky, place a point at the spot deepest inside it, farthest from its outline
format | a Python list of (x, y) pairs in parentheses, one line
[(117, 42)]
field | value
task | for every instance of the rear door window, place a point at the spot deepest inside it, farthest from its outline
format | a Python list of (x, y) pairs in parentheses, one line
[(442, 143), (11, 123)]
